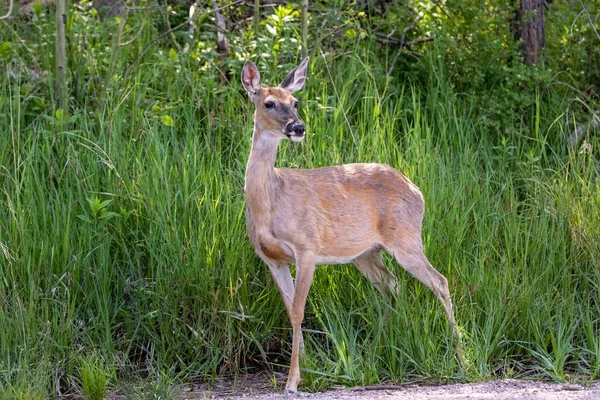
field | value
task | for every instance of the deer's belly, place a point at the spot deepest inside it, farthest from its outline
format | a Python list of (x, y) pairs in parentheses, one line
[(336, 259), (343, 255)]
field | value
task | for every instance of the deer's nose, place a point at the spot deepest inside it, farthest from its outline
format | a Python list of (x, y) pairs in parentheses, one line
[(296, 127)]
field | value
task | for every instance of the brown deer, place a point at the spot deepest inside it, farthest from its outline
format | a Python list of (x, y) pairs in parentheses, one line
[(332, 215)]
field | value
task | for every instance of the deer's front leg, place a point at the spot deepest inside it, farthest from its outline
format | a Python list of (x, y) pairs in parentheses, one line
[(283, 279), (305, 269)]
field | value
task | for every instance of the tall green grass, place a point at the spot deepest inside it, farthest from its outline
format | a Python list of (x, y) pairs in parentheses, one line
[(122, 239)]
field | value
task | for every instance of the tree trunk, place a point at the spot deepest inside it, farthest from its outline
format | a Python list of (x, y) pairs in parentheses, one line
[(256, 18), (529, 29), (304, 28), (61, 55), (222, 43)]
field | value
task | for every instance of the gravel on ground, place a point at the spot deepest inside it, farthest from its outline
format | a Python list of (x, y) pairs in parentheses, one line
[(261, 388)]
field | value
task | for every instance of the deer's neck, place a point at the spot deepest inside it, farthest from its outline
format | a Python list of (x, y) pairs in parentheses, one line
[(262, 181)]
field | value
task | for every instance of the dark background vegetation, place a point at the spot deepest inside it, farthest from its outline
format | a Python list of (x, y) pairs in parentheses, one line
[(124, 134)]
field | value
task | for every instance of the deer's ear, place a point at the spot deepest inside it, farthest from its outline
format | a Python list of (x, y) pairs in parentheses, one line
[(251, 78), (295, 80)]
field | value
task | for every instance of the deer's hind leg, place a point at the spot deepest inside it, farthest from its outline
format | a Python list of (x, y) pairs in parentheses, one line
[(371, 266), (409, 254)]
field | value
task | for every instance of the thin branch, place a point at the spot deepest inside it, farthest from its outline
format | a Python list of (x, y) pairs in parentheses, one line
[(235, 3), (33, 56), (149, 45), (222, 43), (410, 28), (392, 32), (10, 7), (418, 41), (137, 35), (191, 17), (574, 138), (575, 20), (403, 43), (168, 32), (179, 51), (587, 14), (252, 3), (437, 3), (385, 40)]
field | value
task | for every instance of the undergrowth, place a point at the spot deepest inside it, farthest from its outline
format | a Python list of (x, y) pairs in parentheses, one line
[(123, 252)]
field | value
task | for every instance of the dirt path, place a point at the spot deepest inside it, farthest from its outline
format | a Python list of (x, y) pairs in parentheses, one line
[(496, 390)]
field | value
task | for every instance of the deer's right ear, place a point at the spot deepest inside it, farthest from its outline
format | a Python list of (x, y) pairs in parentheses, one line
[(251, 78), (295, 80)]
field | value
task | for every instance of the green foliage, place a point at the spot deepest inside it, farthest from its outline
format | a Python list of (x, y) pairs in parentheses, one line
[(123, 251), (160, 386), (474, 46), (95, 376)]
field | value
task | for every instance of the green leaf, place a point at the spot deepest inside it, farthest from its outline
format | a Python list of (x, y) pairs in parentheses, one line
[(108, 215), (350, 33), (84, 218), (272, 30), (167, 120), (105, 204), (126, 214), (6, 51), (37, 8), (94, 205)]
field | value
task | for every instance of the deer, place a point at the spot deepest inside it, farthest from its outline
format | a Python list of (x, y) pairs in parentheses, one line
[(332, 215)]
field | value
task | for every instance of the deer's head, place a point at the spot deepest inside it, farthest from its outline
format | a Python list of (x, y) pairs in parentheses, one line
[(276, 108)]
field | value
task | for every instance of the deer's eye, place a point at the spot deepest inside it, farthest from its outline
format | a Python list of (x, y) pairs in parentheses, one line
[(269, 104), (296, 104)]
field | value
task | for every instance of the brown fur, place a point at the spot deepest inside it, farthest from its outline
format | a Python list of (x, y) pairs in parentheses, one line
[(331, 215)]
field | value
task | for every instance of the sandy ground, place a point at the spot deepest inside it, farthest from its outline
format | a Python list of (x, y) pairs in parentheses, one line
[(259, 388)]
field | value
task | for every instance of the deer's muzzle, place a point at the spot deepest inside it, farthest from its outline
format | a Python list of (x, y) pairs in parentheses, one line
[(295, 129)]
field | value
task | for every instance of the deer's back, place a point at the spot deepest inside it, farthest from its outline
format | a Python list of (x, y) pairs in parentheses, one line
[(349, 205)]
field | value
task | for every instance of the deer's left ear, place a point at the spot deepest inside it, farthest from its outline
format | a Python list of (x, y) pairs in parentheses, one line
[(251, 78), (295, 80)]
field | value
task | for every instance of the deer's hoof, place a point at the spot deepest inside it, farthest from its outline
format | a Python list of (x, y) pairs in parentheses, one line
[(296, 393)]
